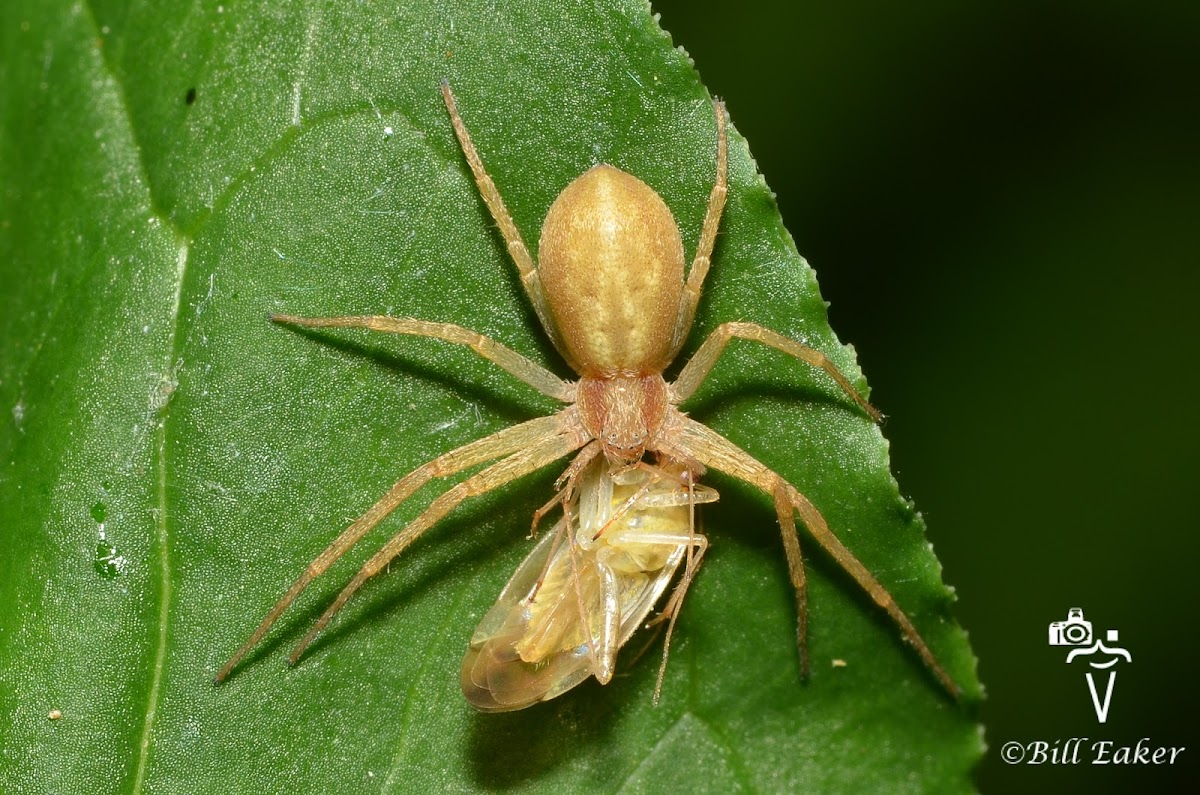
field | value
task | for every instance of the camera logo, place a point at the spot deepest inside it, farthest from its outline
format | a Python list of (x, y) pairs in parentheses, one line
[(1076, 632)]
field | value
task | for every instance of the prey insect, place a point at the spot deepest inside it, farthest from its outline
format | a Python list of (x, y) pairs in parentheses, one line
[(610, 291), (587, 586)]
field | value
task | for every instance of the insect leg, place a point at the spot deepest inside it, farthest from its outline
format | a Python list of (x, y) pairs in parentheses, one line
[(609, 637), (558, 499), (520, 463), (498, 444), (501, 355), (670, 612)]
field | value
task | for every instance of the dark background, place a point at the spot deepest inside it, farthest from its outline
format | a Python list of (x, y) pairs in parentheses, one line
[(1001, 201)]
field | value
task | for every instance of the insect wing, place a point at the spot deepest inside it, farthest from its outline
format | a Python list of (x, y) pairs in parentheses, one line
[(494, 676), (540, 640)]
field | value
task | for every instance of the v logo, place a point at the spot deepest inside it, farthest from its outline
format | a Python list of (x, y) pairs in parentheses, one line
[(1101, 709)]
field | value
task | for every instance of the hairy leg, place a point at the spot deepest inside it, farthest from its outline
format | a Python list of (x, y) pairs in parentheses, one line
[(522, 462), (696, 370), (791, 549), (568, 477), (708, 236), (502, 356), (495, 204), (491, 447), (690, 439)]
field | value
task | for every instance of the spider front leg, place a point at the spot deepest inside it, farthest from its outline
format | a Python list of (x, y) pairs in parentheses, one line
[(501, 443), (697, 369), (565, 492), (690, 439), (530, 278)]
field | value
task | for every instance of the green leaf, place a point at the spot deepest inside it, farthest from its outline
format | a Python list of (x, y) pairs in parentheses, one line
[(171, 461)]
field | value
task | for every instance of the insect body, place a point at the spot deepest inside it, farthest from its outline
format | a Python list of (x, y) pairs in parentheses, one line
[(587, 586), (611, 293)]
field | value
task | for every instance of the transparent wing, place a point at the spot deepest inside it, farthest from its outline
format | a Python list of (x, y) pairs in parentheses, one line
[(494, 676), (538, 641)]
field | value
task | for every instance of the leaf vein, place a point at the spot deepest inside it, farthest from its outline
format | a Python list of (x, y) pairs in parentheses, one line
[(291, 134), (86, 9), (163, 538)]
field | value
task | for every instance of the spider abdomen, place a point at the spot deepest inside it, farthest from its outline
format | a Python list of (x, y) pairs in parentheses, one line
[(611, 262)]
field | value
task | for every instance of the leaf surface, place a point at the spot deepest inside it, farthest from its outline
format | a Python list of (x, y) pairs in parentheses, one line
[(173, 173)]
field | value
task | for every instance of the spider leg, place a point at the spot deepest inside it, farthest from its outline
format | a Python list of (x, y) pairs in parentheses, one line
[(537, 454), (697, 369), (517, 249), (499, 444), (502, 356), (571, 474), (708, 236), (791, 549), (688, 438)]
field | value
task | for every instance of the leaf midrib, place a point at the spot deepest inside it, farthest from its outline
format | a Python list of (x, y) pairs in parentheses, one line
[(160, 463)]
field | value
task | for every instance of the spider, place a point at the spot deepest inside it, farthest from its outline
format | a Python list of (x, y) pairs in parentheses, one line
[(610, 291)]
